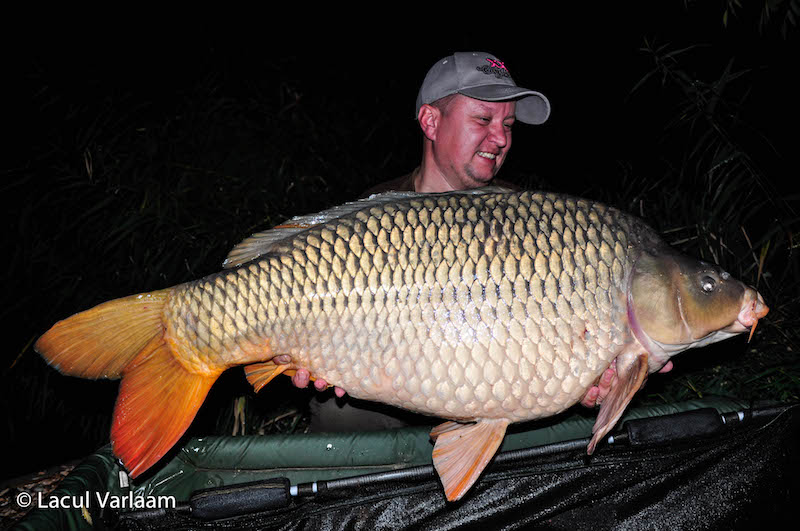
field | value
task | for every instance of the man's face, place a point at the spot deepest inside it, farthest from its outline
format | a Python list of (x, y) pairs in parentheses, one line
[(472, 140)]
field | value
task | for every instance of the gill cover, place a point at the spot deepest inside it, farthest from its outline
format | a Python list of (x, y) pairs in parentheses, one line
[(679, 300)]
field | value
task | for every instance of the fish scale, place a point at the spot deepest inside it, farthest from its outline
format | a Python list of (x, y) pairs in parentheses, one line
[(487, 333), (483, 307)]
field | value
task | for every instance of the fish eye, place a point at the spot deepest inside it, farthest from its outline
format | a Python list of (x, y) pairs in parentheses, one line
[(708, 284)]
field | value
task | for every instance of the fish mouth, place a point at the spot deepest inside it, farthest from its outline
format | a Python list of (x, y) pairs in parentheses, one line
[(752, 310)]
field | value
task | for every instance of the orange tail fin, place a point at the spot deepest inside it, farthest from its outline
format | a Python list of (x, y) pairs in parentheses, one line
[(102, 341), (158, 397)]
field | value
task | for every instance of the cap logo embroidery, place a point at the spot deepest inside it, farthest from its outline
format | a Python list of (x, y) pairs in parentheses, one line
[(496, 62), (497, 68)]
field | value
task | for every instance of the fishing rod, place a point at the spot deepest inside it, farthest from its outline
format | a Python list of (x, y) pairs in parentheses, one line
[(277, 493)]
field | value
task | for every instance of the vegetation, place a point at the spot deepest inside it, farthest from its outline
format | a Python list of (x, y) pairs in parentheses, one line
[(123, 192)]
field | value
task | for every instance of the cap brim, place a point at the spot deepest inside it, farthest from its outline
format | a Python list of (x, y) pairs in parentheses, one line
[(532, 107)]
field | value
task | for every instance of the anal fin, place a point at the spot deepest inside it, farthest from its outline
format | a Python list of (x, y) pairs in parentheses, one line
[(631, 375), (462, 451)]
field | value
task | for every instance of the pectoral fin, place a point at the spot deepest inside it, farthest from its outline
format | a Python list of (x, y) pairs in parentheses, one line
[(631, 375), (462, 451)]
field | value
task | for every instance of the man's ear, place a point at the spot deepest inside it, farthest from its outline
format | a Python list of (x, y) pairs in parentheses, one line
[(429, 117)]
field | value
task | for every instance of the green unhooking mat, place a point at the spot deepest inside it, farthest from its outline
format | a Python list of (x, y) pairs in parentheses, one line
[(709, 464)]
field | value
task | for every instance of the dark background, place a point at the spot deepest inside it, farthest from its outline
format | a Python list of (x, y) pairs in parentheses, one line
[(139, 149)]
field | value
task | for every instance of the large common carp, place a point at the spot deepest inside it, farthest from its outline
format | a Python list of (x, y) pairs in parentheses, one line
[(485, 307)]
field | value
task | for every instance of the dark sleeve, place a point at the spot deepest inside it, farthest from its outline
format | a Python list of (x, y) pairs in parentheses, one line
[(506, 184), (401, 184), (406, 184)]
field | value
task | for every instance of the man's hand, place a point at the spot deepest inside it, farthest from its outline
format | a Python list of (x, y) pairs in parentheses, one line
[(302, 377), (596, 395)]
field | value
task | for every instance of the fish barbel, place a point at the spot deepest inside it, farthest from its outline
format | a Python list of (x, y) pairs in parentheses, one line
[(485, 307)]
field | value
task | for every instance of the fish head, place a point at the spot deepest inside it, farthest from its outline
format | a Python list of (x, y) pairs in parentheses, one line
[(680, 302)]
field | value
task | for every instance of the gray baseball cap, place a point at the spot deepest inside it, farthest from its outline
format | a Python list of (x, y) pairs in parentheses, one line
[(484, 77)]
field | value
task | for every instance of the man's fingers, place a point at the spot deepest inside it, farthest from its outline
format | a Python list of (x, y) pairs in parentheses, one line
[(301, 378), (595, 395), (590, 398), (604, 385), (606, 379)]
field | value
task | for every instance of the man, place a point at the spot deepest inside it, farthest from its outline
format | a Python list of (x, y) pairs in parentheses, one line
[(466, 109)]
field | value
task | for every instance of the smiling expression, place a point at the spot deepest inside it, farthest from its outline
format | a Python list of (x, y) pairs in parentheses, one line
[(472, 140)]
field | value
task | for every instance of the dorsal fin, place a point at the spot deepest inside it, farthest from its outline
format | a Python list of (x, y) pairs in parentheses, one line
[(261, 243)]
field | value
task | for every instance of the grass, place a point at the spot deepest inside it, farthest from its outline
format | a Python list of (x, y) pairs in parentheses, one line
[(712, 199)]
